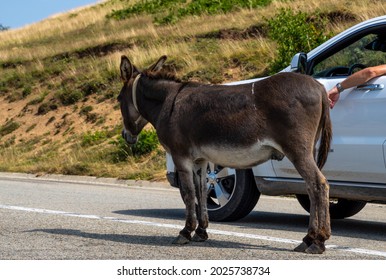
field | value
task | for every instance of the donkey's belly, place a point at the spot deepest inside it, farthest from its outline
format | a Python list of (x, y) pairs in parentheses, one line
[(242, 157)]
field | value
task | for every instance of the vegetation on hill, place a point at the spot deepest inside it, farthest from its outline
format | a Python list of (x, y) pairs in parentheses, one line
[(3, 28), (60, 77)]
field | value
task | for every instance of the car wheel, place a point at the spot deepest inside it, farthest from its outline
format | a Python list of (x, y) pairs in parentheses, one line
[(339, 208), (232, 193)]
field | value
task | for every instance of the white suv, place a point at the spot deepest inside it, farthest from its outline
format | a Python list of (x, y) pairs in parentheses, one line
[(356, 166)]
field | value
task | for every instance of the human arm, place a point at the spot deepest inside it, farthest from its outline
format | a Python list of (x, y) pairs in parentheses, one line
[(356, 79)]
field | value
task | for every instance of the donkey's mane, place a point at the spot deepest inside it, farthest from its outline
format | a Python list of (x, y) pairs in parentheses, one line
[(162, 74)]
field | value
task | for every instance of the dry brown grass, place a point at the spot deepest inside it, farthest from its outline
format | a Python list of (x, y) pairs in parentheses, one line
[(33, 41), (51, 36)]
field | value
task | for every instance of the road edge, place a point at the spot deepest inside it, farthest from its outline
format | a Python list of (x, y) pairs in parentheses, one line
[(84, 180)]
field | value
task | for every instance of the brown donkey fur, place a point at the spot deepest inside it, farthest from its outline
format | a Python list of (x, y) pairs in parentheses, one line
[(283, 115)]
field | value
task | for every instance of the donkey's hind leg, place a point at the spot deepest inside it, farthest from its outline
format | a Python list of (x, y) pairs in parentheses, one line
[(201, 195), (319, 229), (187, 191)]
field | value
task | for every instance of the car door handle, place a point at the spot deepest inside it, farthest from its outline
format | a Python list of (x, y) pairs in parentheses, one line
[(370, 87)]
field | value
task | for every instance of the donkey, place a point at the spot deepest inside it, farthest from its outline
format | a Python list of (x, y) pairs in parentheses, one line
[(284, 115)]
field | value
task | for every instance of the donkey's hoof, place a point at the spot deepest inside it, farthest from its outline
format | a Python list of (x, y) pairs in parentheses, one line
[(181, 240), (315, 249), (199, 238), (200, 235), (301, 248)]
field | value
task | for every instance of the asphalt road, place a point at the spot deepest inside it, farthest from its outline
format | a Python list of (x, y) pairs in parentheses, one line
[(62, 218)]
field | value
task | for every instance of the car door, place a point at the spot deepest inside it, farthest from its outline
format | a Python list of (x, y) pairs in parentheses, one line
[(359, 136), (359, 132)]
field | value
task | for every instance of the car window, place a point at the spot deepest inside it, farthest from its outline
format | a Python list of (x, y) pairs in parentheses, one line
[(352, 58)]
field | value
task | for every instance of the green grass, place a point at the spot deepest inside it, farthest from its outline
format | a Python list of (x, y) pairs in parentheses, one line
[(169, 11), (9, 127)]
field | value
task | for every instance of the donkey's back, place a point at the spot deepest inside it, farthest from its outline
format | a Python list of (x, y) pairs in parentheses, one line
[(243, 125)]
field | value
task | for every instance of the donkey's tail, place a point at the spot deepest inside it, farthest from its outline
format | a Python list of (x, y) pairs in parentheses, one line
[(325, 128)]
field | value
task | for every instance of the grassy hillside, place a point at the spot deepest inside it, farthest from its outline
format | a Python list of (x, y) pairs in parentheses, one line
[(59, 78)]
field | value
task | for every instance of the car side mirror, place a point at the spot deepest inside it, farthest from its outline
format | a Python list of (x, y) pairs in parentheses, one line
[(299, 63)]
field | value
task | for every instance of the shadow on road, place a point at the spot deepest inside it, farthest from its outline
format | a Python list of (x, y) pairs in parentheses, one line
[(349, 227), (152, 240), (279, 221), (172, 214)]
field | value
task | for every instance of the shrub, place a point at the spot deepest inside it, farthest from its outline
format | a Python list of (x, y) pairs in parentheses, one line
[(92, 87), (31, 128), (8, 143), (3, 28), (8, 128), (68, 97), (147, 142), (26, 91), (85, 110), (90, 139), (295, 33), (44, 108)]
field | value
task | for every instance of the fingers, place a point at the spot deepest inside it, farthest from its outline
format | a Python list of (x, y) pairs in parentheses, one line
[(333, 97)]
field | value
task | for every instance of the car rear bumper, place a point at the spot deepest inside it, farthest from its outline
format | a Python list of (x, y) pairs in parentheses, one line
[(172, 179)]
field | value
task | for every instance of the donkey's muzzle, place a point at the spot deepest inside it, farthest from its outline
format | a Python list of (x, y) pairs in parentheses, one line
[(130, 139)]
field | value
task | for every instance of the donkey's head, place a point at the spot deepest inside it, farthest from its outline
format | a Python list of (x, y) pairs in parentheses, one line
[(132, 120)]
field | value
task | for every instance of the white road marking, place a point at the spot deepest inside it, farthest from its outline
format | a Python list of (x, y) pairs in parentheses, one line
[(174, 226)]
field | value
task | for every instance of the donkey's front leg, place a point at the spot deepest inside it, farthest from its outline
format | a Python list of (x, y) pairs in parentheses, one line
[(187, 191), (201, 195)]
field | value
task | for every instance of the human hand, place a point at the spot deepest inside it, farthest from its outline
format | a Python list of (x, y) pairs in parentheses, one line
[(333, 96)]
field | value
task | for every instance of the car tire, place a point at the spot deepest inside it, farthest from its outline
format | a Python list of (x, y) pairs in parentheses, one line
[(232, 193), (339, 209)]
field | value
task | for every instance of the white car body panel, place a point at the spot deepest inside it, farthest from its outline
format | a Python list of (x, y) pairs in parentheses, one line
[(357, 153)]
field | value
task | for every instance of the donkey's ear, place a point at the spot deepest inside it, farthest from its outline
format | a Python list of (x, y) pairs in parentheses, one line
[(126, 69), (158, 65)]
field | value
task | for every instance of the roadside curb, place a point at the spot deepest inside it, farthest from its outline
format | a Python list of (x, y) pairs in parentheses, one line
[(84, 180)]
